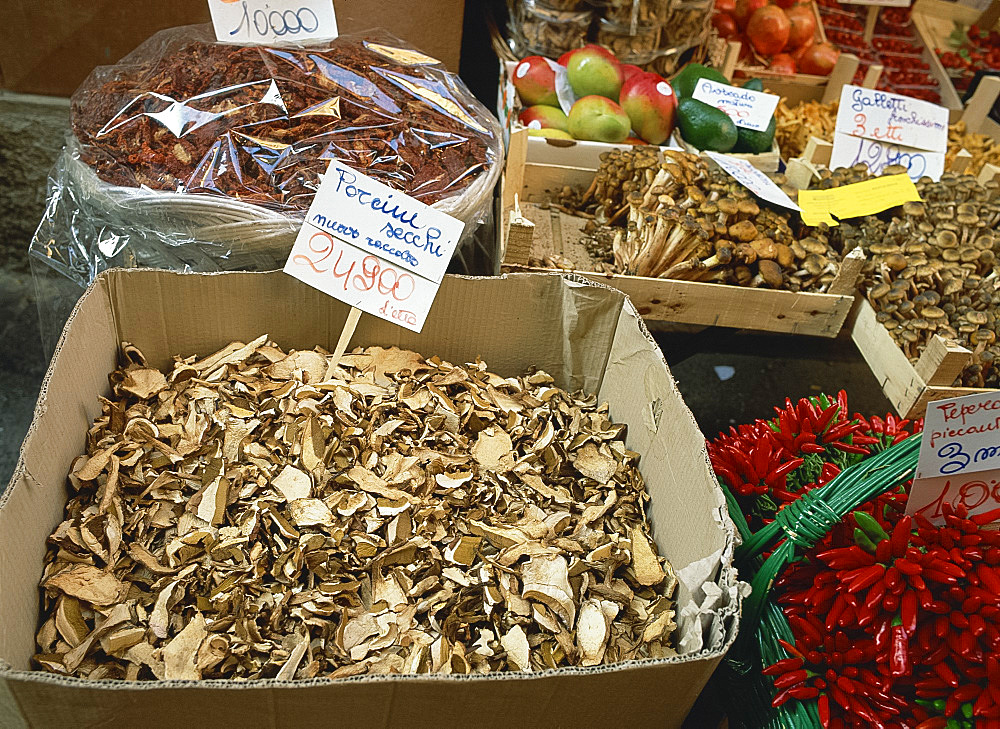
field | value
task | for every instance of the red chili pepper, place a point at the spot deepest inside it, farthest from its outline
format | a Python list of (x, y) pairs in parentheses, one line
[(790, 648), (899, 653), (968, 692), (900, 538), (803, 693), (907, 567), (791, 678), (781, 697), (783, 470), (935, 722), (848, 448), (988, 577), (986, 517), (908, 611), (823, 708), (946, 674), (869, 577), (783, 666)]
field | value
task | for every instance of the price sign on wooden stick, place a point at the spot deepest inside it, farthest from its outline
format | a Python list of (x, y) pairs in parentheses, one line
[(373, 247)]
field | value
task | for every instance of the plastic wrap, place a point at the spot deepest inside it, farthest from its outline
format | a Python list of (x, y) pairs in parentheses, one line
[(195, 155)]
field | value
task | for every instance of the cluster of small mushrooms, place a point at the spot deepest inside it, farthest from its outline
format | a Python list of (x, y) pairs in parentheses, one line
[(679, 218), (932, 269)]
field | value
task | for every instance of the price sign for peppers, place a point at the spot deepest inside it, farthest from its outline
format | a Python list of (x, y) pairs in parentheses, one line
[(878, 129), (373, 247), (270, 21), (959, 457)]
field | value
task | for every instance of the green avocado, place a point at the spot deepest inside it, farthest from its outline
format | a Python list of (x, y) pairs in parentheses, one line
[(754, 84), (754, 142), (684, 83), (706, 127)]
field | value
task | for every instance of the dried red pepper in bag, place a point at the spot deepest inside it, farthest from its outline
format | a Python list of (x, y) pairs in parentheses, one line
[(184, 112)]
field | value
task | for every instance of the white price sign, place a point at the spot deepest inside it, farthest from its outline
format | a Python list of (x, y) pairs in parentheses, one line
[(747, 108), (959, 457), (270, 21), (753, 179), (373, 247), (849, 150), (880, 128)]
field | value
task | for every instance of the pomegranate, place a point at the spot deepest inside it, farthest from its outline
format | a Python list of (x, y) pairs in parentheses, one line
[(803, 26), (785, 4), (797, 53), (768, 30), (725, 6), (744, 9), (725, 24), (819, 59), (782, 63)]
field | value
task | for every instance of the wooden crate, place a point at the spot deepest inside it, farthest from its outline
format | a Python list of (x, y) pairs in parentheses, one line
[(767, 162), (658, 300), (934, 21), (909, 387)]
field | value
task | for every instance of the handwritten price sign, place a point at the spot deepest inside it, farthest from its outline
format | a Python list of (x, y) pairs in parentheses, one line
[(747, 108), (879, 129), (848, 151), (270, 21), (753, 179), (959, 456), (373, 247)]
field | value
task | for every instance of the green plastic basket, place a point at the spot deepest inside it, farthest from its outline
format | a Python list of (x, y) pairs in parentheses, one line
[(798, 527)]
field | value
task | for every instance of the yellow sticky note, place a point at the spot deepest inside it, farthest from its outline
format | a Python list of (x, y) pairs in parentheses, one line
[(854, 201), (816, 206)]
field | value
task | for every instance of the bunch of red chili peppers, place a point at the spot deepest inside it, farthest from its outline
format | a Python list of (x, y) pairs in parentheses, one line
[(896, 621)]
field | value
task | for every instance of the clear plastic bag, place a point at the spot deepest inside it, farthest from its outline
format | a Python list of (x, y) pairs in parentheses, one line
[(191, 154)]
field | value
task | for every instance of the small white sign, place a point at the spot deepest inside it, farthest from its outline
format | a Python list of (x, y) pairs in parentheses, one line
[(747, 108), (848, 151), (273, 21), (892, 119), (753, 179), (959, 456), (373, 247)]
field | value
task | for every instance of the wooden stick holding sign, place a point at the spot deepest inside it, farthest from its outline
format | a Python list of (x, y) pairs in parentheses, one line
[(345, 336), (871, 19), (842, 74)]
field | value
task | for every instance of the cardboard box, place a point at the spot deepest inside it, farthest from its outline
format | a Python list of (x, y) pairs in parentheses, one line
[(50, 47), (656, 299), (586, 336)]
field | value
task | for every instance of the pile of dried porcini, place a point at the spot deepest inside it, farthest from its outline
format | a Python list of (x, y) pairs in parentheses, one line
[(257, 514)]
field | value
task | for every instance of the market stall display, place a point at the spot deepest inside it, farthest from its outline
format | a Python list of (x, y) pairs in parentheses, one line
[(196, 155), (252, 481)]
